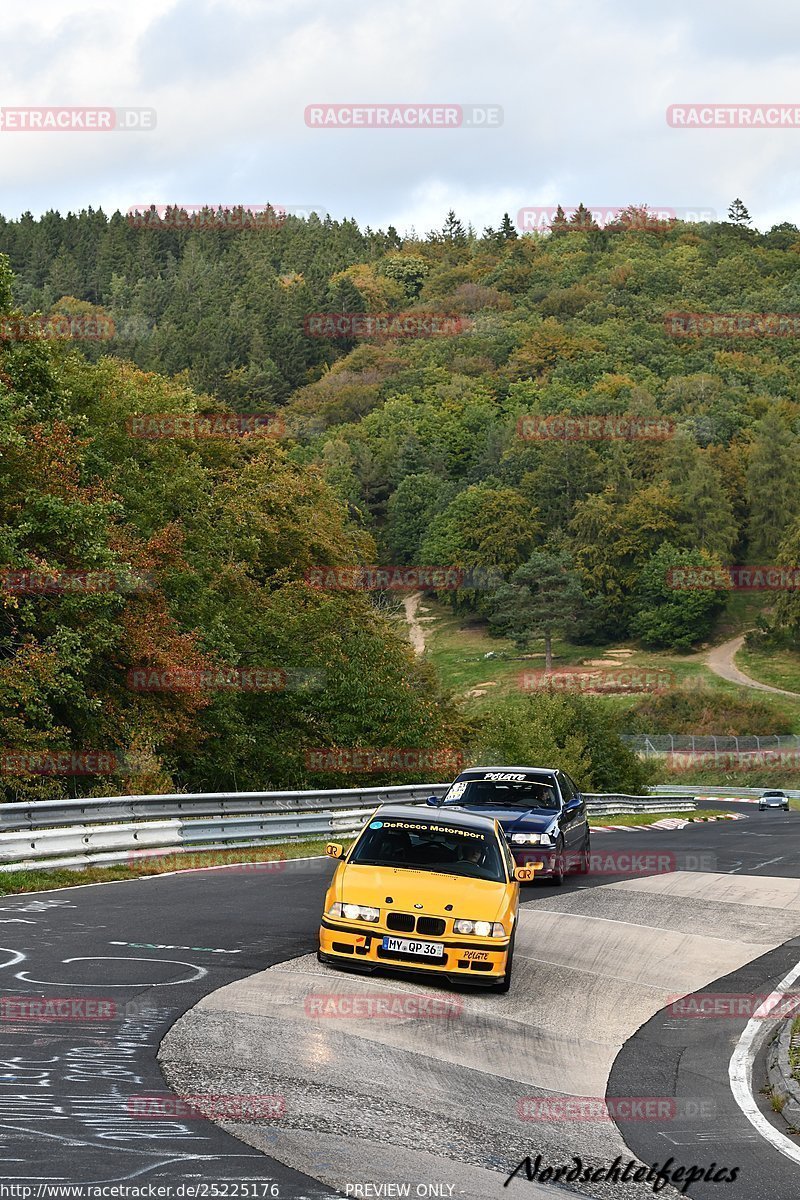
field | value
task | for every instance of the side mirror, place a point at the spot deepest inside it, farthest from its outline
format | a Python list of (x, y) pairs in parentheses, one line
[(573, 805), (433, 800), (527, 874), (334, 850)]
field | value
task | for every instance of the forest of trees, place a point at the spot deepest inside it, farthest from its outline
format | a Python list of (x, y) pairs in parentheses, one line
[(407, 450)]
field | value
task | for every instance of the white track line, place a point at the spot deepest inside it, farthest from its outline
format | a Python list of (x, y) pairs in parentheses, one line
[(741, 1069)]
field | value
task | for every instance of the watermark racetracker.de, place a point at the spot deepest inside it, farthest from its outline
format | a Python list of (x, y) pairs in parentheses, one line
[(164, 426), (741, 324), (74, 119), (202, 860), (734, 578), (44, 582), (54, 762), (69, 1009), (92, 327), (734, 116), (218, 217), (620, 680), (207, 1106), (602, 427), (642, 863), (736, 1006), (371, 760), (385, 325), (381, 1006), (444, 578), (541, 218), (731, 760), (403, 116), (593, 1109), (224, 679)]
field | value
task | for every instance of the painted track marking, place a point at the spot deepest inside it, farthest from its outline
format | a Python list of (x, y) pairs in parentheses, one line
[(740, 1074)]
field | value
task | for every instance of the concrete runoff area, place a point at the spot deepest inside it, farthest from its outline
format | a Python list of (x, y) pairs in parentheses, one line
[(440, 1099)]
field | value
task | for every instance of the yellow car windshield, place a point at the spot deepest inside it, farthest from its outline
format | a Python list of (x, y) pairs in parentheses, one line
[(429, 846)]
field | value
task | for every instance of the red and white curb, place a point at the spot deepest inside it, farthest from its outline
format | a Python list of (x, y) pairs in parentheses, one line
[(668, 823), (731, 799)]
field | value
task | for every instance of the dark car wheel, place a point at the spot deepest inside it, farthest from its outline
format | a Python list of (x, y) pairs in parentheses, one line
[(557, 878), (585, 859)]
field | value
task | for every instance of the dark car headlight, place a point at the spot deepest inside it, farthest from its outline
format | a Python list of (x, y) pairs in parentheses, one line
[(531, 839)]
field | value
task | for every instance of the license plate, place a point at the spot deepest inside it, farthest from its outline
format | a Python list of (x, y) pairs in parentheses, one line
[(423, 949)]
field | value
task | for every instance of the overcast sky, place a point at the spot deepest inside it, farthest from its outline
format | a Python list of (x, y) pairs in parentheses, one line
[(584, 86)]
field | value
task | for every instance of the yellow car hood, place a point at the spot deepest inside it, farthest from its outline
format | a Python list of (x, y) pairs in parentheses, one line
[(474, 899)]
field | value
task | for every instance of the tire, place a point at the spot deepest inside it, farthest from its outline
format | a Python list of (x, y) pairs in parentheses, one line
[(586, 859), (505, 983), (558, 880)]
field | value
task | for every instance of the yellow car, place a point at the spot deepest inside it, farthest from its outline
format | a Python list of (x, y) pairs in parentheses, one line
[(427, 892)]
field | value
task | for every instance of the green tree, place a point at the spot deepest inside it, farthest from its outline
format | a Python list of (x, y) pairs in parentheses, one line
[(706, 512), (613, 536), (507, 230), (738, 214), (772, 494), (544, 596), (409, 513), (453, 230), (484, 526), (409, 270), (559, 225), (582, 219), (579, 734), (673, 607)]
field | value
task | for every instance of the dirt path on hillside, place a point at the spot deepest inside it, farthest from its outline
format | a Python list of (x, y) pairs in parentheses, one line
[(720, 660), (416, 633)]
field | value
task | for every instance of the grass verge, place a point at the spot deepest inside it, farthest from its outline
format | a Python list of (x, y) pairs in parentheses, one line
[(780, 668), (794, 1050), (651, 818), (458, 646), (266, 858)]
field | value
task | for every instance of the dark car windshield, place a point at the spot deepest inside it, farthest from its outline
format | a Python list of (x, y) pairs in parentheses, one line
[(429, 846), (481, 793)]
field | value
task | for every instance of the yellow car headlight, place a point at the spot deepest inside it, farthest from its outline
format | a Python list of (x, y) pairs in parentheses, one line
[(354, 912), (479, 928)]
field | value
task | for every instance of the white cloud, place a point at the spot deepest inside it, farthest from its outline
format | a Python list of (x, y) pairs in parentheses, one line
[(584, 85)]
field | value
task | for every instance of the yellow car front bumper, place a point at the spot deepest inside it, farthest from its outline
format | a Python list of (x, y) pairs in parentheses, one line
[(473, 960)]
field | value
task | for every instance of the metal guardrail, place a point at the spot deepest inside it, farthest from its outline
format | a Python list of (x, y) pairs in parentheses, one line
[(711, 789), (120, 829), (608, 805)]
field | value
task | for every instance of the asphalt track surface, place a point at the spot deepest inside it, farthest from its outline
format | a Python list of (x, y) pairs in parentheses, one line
[(75, 1093)]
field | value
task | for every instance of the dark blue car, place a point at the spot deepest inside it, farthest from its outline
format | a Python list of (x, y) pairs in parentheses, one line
[(541, 810)]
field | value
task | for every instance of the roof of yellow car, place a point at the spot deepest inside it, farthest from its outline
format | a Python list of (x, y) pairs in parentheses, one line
[(449, 815)]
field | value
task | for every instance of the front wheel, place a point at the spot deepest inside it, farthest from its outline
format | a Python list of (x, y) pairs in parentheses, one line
[(557, 877), (585, 859)]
